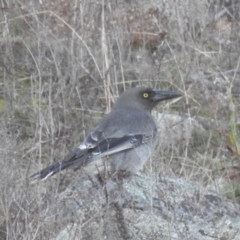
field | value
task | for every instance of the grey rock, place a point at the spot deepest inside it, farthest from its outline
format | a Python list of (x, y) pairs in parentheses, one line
[(154, 208)]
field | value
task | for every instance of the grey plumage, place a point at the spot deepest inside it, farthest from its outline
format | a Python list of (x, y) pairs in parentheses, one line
[(127, 134)]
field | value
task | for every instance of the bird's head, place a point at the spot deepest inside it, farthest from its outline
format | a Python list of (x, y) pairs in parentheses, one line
[(144, 98)]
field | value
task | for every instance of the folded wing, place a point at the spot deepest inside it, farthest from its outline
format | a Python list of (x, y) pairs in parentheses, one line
[(95, 146)]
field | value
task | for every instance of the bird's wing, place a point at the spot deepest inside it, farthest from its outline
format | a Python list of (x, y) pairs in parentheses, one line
[(95, 146)]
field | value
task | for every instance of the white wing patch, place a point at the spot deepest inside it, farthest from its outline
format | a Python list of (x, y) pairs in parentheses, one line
[(83, 146), (92, 140)]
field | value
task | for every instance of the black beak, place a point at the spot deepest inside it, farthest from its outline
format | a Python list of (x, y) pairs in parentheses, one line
[(161, 95)]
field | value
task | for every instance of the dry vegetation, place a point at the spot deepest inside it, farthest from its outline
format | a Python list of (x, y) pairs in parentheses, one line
[(64, 62)]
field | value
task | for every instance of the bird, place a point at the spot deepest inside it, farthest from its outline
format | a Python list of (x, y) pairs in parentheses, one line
[(126, 136)]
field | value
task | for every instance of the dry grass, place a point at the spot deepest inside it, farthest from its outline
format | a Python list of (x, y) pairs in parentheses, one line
[(63, 65)]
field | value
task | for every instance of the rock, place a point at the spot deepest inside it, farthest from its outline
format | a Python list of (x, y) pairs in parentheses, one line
[(155, 208)]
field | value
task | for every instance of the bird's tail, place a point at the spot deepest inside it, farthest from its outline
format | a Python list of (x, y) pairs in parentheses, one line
[(51, 170), (77, 156)]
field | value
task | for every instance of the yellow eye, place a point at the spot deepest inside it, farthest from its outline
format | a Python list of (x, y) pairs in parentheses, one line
[(145, 95)]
